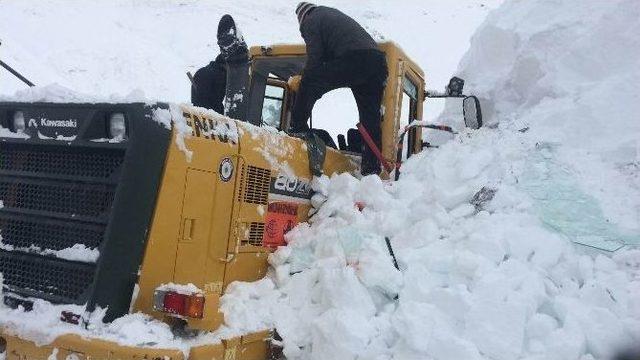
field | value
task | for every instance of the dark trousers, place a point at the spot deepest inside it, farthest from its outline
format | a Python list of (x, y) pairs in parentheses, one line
[(365, 73)]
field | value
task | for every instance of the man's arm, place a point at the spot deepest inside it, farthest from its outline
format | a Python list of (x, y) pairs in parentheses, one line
[(315, 49)]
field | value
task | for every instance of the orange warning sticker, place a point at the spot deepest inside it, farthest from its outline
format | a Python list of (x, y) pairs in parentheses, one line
[(281, 217)]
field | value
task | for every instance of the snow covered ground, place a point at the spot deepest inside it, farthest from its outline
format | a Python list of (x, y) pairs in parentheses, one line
[(499, 279), (143, 48)]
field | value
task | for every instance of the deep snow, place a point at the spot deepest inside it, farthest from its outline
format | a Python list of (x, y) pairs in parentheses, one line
[(572, 79), (142, 49), (498, 280)]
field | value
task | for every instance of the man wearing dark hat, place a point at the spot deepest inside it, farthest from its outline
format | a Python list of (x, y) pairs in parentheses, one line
[(340, 53)]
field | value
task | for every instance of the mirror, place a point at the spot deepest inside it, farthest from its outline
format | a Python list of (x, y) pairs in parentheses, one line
[(472, 112)]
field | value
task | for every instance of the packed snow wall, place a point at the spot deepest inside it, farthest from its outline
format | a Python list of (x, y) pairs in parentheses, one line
[(494, 279), (567, 72)]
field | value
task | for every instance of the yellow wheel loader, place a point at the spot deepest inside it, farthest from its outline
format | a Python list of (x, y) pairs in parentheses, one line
[(175, 216)]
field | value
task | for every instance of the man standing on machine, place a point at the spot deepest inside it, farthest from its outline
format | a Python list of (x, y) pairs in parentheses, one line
[(340, 53)]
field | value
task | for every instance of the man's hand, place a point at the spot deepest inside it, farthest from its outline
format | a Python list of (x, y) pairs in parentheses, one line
[(294, 83)]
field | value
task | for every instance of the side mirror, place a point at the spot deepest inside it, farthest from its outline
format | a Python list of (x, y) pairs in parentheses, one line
[(472, 112)]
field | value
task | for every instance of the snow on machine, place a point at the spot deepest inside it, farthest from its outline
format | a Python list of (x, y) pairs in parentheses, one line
[(166, 205)]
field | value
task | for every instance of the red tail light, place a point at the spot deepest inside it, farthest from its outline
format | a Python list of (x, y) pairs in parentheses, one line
[(187, 305), (174, 303)]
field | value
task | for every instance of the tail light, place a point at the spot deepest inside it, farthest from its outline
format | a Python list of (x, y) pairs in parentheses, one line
[(182, 305)]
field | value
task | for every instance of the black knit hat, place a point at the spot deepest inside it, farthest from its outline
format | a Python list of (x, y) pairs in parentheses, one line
[(302, 9)]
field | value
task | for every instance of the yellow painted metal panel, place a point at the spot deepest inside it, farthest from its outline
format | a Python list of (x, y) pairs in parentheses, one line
[(253, 346), (197, 208)]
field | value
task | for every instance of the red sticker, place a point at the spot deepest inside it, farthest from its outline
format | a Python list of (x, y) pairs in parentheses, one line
[(281, 217)]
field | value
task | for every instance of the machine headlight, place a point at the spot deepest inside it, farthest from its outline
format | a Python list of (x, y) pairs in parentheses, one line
[(19, 124), (117, 126)]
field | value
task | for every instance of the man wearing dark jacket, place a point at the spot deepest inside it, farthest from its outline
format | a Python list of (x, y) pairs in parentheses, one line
[(340, 53), (209, 85)]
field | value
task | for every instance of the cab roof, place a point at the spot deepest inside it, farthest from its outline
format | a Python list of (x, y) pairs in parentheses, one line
[(388, 47)]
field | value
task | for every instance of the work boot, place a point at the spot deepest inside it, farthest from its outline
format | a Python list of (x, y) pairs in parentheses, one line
[(232, 45), (304, 135), (370, 167)]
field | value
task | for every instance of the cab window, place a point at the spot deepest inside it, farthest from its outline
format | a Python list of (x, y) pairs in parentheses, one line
[(408, 113), (272, 105)]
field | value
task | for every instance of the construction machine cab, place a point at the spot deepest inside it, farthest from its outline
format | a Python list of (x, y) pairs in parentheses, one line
[(265, 99), (270, 99)]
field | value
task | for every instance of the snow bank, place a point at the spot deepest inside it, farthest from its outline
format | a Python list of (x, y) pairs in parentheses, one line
[(492, 283), (567, 72), (174, 116), (42, 325), (495, 276), (150, 44), (272, 146), (77, 252), (188, 289), (219, 126), (60, 94)]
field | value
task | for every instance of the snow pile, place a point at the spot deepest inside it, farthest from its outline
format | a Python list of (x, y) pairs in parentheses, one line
[(77, 252), (4, 132), (567, 73), (220, 126), (174, 116), (488, 283), (188, 289), (150, 44), (57, 93), (485, 277), (42, 325), (273, 146), (216, 125)]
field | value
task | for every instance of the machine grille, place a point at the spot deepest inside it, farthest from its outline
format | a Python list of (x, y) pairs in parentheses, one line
[(57, 280), (57, 160), (60, 192), (48, 234), (54, 196), (256, 185), (62, 198), (256, 231)]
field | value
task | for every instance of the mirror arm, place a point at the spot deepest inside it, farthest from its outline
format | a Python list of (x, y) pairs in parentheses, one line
[(434, 94)]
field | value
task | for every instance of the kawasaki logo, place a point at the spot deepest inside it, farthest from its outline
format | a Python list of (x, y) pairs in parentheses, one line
[(59, 123), (71, 123)]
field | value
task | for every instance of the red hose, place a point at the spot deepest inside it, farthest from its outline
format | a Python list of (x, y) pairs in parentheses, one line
[(372, 145)]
